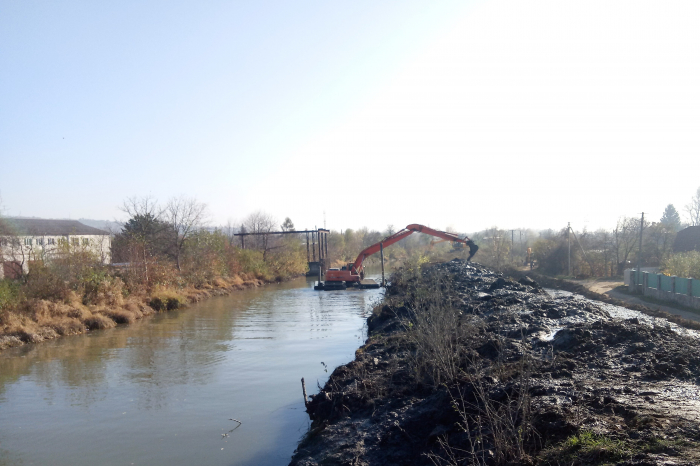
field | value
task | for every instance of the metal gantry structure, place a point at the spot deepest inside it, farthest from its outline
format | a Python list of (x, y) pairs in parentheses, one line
[(316, 246)]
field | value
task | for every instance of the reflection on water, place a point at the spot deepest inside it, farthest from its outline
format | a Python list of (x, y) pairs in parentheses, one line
[(163, 390)]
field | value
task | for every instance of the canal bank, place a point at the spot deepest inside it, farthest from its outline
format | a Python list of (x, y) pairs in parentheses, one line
[(465, 366), (163, 390), (43, 320)]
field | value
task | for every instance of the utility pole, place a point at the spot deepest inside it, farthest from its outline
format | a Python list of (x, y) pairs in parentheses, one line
[(381, 251), (521, 241), (639, 259), (568, 241)]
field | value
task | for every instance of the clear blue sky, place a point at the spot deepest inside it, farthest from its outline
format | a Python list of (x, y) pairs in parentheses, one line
[(461, 114)]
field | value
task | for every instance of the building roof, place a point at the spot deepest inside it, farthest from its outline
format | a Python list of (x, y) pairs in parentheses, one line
[(49, 227), (687, 239)]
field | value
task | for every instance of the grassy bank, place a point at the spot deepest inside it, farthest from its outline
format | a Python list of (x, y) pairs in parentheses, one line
[(36, 320), (77, 293)]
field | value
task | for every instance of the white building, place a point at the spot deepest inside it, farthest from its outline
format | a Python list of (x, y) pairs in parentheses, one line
[(25, 240)]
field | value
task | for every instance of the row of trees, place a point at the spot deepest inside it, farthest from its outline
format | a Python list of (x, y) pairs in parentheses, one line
[(158, 239), (604, 252), (609, 252), (172, 244), (160, 246)]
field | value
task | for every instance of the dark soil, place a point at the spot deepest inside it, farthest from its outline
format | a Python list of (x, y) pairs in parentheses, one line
[(521, 378), (551, 282)]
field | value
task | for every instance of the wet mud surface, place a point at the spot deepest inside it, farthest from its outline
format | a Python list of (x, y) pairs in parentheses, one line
[(503, 372)]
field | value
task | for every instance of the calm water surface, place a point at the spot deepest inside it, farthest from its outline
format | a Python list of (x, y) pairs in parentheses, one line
[(162, 391)]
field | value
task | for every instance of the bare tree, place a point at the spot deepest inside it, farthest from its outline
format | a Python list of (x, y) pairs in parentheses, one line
[(693, 209), (260, 223), (501, 246), (14, 255), (658, 242), (185, 216), (625, 238), (229, 231), (146, 206), (604, 244)]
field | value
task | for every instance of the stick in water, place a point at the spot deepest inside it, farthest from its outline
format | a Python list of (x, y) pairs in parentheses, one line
[(303, 389)]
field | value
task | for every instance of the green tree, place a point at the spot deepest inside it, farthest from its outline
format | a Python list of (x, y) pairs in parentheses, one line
[(144, 235), (671, 218)]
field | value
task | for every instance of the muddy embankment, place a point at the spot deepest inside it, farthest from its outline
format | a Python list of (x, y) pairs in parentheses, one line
[(464, 366), (650, 310), (38, 320)]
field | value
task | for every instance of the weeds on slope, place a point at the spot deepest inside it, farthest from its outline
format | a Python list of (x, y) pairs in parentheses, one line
[(490, 397), (434, 327)]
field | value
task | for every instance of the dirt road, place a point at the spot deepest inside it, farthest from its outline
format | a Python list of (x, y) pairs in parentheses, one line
[(608, 288)]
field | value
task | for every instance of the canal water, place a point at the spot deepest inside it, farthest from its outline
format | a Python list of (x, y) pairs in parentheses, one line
[(163, 391)]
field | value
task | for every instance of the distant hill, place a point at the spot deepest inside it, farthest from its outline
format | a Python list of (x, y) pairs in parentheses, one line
[(106, 225)]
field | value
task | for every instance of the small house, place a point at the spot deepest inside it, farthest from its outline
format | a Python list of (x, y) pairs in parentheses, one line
[(687, 239)]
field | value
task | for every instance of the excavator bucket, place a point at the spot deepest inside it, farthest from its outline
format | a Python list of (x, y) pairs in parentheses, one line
[(472, 249)]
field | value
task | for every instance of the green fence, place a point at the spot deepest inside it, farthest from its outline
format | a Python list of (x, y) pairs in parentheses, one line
[(653, 280), (666, 283)]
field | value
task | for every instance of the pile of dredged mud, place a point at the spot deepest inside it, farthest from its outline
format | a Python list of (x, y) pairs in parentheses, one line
[(464, 366)]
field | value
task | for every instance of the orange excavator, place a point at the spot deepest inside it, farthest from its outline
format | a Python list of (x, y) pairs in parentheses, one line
[(353, 272)]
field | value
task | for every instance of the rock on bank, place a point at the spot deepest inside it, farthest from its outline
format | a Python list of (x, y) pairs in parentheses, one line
[(463, 366)]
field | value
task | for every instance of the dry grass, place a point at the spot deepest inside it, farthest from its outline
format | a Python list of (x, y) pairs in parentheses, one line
[(491, 398), (167, 299), (35, 320), (98, 299), (120, 316), (99, 321)]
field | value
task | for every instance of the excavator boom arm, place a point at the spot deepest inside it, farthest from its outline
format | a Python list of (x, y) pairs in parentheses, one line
[(357, 265), (409, 230)]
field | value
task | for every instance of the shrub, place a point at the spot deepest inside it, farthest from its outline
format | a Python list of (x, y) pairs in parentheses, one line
[(683, 264), (10, 294), (45, 282), (586, 448), (99, 321), (433, 326), (166, 300)]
